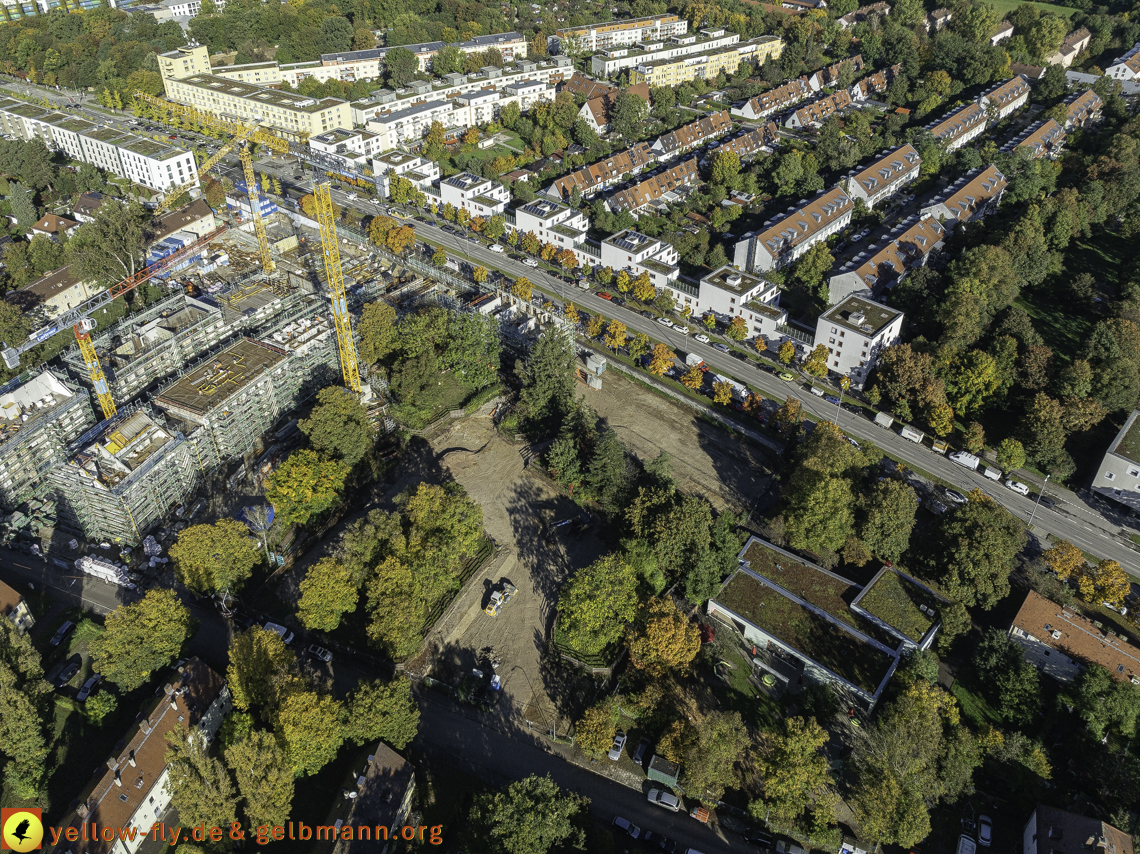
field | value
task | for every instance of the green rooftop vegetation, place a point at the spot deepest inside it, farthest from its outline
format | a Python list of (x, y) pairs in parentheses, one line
[(895, 600), (804, 630), (1129, 445)]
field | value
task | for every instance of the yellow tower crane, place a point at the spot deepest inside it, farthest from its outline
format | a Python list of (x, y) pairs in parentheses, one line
[(326, 219), (255, 209)]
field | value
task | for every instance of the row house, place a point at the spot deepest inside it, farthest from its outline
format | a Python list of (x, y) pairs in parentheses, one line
[(749, 144), (828, 78), (818, 111), (863, 13), (1127, 66), (693, 135), (887, 176), (421, 171), (593, 179), (959, 127), (890, 265), (856, 331), (594, 37), (1082, 109), (973, 196), (874, 84), (475, 194), (1006, 97), (787, 238), (652, 189), (588, 88), (1071, 47), (1044, 139), (774, 100)]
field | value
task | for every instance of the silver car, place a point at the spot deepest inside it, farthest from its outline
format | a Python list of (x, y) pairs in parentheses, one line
[(618, 746)]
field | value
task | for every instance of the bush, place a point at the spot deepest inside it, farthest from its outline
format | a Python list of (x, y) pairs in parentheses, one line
[(99, 706)]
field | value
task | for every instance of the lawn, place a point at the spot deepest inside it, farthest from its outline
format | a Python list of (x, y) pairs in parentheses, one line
[(739, 694), (450, 392), (1004, 7), (973, 704), (806, 631)]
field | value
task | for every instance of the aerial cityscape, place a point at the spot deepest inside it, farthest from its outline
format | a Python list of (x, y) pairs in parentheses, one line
[(525, 428)]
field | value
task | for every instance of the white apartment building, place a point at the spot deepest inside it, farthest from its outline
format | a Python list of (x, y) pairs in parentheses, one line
[(419, 170), (353, 148), (855, 332), (188, 8), (553, 222), (959, 127), (1126, 67), (1118, 477), (788, 237), (973, 196), (611, 62), (477, 195), (634, 252), (355, 65), (257, 73), (728, 293), (1007, 96), (151, 164), (596, 37), (134, 790), (887, 176)]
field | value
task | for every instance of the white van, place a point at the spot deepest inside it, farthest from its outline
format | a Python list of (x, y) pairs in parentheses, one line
[(992, 472), (966, 845), (818, 392), (911, 435), (966, 460)]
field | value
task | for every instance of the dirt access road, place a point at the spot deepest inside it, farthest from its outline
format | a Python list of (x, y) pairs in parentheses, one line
[(517, 507)]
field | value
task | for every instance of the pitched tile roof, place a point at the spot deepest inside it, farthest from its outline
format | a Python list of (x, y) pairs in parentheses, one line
[(1008, 92), (749, 143), (987, 184), (1044, 139), (694, 133), (782, 96), (588, 178), (888, 169), (639, 195), (580, 83), (821, 108), (800, 225), (830, 76), (10, 599), (1080, 108), (52, 224), (910, 249), (1076, 636), (959, 122)]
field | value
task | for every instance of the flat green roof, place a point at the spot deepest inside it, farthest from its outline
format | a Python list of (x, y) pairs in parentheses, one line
[(156, 150)]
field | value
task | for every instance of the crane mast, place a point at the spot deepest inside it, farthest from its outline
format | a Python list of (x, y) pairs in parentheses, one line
[(326, 219)]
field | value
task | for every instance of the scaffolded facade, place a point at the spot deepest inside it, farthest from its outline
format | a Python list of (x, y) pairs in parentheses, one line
[(40, 413), (126, 475)]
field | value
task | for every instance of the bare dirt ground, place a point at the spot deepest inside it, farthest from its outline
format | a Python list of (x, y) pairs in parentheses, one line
[(705, 460)]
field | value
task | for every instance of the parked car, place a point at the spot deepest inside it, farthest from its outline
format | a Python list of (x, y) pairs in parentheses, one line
[(664, 321), (643, 745), (67, 673), (618, 745), (62, 632), (955, 496), (321, 653), (278, 629), (617, 301), (1046, 501), (88, 688), (495, 247), (985, 831), (628, 826), (700, 336), (684, 330), (649, 314), (604, 295), (530, 262), (785, 376), (722, 347), (656, 840), (664, 798), (1017, 486), (831, 398)]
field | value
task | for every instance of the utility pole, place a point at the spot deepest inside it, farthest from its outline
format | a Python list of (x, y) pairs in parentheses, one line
[(1038, 502)]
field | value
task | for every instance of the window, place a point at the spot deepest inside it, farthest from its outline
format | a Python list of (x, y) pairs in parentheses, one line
[(1134, 472), (1108, 475)]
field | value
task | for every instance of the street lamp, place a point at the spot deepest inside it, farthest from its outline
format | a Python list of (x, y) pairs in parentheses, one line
[(1038, 502), (844, 384)]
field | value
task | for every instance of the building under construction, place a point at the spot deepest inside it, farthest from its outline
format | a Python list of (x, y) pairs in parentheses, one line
[(126, 475), (146, 348), (40, 413), (240, 392)]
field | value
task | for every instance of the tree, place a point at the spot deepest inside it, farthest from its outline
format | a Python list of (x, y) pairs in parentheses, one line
[(22, 206), (711, 764), (327, 591), (378, 331), (660, 360), (1011, 681), (261, 668), (548, 380), (338, 426), (594, 731), (638, 346), (401, 66), (627, 114), (260, 769), (1106, 582), (532, 816), (567, 259), (522, 288), (974, 438), (693, 378), (816, 362), (200, 787), (787, 353), (615, 334), (941, 418), (24, 708), (1065, 559), (305, 486), (795, 771), (572, 314), (976, 547), (596, 603), (439, 257), (662, 639), (1010, 455), (643, 288), (480, 275), (788, 416), (141, 638), (381, 710), (722, 393), (622, 282), (725, 169), (111, 247), (308, 727), (1104, 704), (737, 329), (888, 511)]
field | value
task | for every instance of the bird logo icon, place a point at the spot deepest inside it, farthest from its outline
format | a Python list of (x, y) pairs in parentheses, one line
[(21, 830)]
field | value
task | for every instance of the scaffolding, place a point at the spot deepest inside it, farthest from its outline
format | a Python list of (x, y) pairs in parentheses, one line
[(40, 414), (131, 476)]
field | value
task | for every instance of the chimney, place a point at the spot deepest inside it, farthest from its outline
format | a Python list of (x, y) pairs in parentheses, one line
[(131, 759), (118, 780)]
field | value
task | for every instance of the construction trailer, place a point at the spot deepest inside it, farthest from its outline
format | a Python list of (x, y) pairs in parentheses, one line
[(40, 414), (240, 392), (126, 475)]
